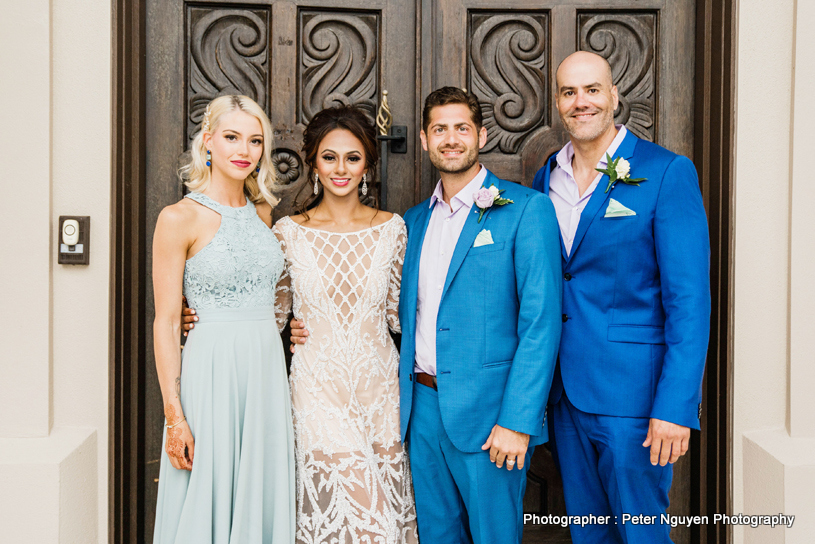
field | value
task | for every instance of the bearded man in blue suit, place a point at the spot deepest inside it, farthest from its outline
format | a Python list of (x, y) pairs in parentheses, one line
[(480, 316), (636, 310)]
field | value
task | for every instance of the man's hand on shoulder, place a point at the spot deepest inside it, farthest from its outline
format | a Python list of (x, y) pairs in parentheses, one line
[(668, 441), (506, 445)]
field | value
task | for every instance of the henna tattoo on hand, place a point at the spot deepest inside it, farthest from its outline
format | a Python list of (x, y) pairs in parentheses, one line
[(175, 446)]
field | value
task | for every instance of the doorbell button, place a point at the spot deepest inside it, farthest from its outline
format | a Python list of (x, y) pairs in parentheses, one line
[(70, 232)]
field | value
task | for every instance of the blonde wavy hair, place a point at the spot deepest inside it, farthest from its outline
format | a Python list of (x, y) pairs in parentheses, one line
[(258, 186)]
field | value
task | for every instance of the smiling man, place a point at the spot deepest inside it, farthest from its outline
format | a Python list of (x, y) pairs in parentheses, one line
[(480, 316), (636, 310)]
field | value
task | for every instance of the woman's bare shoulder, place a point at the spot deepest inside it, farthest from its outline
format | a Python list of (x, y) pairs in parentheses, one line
[(182, 212), (380, 217), (299, 218)]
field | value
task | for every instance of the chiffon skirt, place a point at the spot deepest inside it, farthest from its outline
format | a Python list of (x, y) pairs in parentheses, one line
[(235, 396)]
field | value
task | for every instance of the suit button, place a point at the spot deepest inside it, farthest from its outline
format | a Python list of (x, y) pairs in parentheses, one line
[(565, 318), (567, 276)]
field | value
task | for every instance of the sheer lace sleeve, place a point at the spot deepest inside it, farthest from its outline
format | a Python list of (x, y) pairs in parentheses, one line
[(283, 291), (395, 280)]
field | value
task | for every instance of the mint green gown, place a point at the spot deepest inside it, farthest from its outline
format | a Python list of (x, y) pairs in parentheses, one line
[(235, 396)]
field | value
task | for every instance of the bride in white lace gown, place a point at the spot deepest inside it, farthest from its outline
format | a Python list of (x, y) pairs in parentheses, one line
[(342, 277)]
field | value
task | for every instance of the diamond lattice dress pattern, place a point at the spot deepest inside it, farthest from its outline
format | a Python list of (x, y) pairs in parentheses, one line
[(353, 478)]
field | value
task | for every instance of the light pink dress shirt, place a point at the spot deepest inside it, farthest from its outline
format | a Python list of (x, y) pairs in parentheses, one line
[(446, 223), (565, 194)]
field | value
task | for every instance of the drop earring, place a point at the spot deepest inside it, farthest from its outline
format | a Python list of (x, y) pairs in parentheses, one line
[(364, 184), (209, 158), (258, 168), (316, 183)]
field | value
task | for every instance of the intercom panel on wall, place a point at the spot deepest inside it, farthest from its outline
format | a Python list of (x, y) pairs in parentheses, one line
[(74, 239)]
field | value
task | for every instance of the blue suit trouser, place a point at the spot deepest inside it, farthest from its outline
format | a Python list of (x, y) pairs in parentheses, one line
[(606, 471), (460, 497)]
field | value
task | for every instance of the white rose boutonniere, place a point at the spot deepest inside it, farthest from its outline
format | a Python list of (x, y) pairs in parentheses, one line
[(618, 169), (485, 198)]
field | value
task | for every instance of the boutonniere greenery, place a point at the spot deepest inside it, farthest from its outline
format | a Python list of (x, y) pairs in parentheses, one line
[(485, 198), (618, 169)]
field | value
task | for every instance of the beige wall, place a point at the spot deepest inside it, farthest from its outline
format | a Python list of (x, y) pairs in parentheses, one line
[(54, 323), (774, 298)]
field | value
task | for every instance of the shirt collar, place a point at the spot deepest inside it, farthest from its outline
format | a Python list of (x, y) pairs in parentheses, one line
[(465, 196), (565, 155)]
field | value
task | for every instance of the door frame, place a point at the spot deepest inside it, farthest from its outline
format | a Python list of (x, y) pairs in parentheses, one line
[(714, 125)]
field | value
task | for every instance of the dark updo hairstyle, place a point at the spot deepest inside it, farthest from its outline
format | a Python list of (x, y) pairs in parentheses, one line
[(350, 118)]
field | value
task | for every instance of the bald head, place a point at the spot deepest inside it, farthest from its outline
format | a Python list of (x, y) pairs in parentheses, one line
[(584, 63), (586, 97)]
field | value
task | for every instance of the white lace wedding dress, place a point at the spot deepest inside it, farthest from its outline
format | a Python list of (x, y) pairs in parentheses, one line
[(353, 477)]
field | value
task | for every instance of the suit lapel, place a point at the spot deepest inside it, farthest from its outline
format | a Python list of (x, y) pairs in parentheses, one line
[(468, 233), (547, 176), (413, 255), (600, 197)]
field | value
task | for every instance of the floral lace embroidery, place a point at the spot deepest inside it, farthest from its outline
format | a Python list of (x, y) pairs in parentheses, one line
[(353, 477), (239, 267)]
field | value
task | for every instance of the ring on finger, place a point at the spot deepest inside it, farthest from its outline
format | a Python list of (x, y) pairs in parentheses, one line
[(510, 462)]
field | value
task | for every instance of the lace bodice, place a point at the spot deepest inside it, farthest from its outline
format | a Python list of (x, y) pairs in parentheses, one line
[(358, 273), (239, 267)]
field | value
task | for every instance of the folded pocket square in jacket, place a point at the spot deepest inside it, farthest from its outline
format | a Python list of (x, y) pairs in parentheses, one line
[(484, 238), (615, 209)]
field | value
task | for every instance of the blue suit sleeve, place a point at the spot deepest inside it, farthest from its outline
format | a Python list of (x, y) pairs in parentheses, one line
[(537, 182), (539, 289), (683, 256)]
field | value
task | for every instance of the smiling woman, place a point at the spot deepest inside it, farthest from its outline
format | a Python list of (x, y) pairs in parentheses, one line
[(342, 279), (228, 437)]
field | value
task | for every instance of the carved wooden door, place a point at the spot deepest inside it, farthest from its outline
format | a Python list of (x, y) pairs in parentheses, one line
[(507, 53), (297, 56)]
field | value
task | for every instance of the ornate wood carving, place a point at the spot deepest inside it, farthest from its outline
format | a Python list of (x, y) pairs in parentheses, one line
[(288, 165), (508, 54), (227, 54), (627, 41), (339, 61)]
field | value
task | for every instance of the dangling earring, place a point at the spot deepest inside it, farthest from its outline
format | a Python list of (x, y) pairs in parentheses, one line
[(258, 168), (209, 158), (364, 184), (316, 183)]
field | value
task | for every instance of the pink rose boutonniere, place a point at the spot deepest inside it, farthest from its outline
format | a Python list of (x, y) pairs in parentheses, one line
[(487, 197)]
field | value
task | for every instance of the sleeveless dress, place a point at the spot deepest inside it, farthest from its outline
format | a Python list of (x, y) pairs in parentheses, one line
[(235, 396), (353, 478)]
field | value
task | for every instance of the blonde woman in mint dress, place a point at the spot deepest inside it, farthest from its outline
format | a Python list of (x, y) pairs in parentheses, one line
[(227, 469)]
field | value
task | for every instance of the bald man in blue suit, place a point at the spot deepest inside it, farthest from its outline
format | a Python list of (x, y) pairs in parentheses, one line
[(636, 310)]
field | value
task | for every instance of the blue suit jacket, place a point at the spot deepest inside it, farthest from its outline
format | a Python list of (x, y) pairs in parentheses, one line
[(498, 326), (636, 293)]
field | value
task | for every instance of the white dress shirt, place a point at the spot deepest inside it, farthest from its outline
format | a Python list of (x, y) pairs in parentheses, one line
[(446, 224)]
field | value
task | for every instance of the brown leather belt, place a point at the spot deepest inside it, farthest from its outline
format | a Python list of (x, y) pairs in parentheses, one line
[(426, 379)]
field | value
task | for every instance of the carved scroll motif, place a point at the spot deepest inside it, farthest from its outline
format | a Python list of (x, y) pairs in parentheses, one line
[(287, 164), (339, 62), (228, 55), (507, 60), (627, 41)]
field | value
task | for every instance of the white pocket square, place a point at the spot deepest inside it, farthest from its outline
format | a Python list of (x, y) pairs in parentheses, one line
[(484, 238), (615, 209)]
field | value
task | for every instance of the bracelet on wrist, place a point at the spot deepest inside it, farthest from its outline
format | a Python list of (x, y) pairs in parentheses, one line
[(176, 423)]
